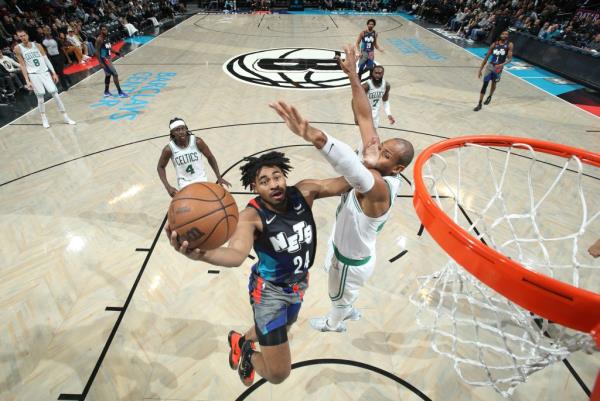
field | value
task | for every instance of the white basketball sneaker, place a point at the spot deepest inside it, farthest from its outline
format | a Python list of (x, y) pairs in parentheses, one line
[(321, 324), (68, 120), (353, 314), (45, 122)]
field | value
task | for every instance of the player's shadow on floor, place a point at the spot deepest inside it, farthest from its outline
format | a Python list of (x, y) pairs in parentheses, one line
[(347, 382)]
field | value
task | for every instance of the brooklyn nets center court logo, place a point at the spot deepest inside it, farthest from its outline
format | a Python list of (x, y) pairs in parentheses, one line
[(290, 68)]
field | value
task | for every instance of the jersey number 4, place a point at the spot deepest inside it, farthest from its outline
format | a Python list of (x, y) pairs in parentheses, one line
[(299, 264), (190, 169)]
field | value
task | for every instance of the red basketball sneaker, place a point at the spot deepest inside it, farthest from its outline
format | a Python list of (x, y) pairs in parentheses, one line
[(234, 353), (245, 369)]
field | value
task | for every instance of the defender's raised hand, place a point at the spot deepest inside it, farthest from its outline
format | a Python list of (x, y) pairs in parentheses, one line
[(348, 65), (298, 124)]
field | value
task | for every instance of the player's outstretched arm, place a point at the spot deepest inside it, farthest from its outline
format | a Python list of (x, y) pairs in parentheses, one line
[(341, 157), (361, 109), (234, 253), (313, 189), (360, 102)]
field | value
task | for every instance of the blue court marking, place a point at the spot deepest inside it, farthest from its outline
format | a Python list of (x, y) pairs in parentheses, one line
[(140, 40), (534, 75), (410, 46)]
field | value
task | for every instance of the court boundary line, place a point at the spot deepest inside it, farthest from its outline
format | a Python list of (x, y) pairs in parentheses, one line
[(347, 362), (261, 123)]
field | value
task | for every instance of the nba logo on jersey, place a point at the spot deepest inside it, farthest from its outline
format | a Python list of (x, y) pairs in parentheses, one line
[(290, 68), (283, 243)]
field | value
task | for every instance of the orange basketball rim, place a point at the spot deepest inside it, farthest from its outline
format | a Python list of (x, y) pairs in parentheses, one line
[(554, 300)]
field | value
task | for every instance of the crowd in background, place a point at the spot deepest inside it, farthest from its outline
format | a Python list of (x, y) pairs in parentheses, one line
[(559, 20), (67, 29)]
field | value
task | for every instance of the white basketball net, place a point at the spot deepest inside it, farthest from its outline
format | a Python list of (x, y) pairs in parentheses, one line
[(546, 228)]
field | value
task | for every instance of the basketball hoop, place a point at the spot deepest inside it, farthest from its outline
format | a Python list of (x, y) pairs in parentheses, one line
[(538, 303)]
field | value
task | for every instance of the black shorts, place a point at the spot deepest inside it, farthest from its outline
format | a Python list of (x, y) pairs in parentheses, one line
[(108, 67)]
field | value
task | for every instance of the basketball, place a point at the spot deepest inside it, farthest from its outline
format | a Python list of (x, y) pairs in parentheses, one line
[(203, 214)]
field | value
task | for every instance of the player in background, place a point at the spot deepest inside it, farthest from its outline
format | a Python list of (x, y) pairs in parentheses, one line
[(186, 152), (39, 75), (499, 54)]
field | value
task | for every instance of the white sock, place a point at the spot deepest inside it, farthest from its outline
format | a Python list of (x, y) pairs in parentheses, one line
[(41, 105), (337, 314), (59, 102)]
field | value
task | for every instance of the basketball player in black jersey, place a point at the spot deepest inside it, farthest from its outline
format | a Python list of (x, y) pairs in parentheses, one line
[(279, 224), (501, 54)]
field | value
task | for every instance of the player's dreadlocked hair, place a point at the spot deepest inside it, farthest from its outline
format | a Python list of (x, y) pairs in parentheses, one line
[(254, 164)]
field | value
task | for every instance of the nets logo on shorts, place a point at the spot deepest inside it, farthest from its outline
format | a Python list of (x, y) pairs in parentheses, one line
[(290, 68)]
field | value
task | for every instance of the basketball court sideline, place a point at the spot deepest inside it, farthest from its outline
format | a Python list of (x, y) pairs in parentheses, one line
[(83, 211)]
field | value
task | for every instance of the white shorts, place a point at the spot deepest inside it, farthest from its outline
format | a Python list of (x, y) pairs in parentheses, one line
[(42, 83), (346, 279), (183, 182), (375, 114)]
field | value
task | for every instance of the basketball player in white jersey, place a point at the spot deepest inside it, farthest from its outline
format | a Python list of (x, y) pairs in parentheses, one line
[(378, 93), (36, 69), (363, 210), (186, 152)]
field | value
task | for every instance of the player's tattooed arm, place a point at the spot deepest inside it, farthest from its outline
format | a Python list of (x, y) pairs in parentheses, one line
[(485, 59), (360, 38), (21, 61)]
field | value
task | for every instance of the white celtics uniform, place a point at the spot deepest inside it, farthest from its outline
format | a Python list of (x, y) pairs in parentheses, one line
[(37, 70), (375, 95), (352, 254), (188, 163)]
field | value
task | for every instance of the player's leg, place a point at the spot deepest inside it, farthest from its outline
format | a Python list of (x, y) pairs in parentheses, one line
[(39, 90), (349, 279), (115, 75), (50, 87), (492, 89), (116, 80), (362, 62), (273, 362), (106, 78), (275, 309), (486, 82)]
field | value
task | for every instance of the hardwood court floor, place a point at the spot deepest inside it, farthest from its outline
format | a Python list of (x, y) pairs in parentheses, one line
[(77, 201)]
